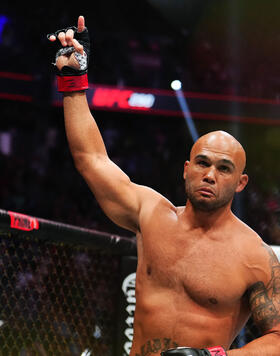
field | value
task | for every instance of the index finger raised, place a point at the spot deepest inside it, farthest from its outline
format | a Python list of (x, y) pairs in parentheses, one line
[(81, 24)]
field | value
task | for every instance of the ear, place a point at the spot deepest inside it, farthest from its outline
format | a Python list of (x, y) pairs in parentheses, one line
[(185, 168), (242, 183)]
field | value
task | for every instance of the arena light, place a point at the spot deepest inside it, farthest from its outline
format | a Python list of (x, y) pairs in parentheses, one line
[(176, 85)]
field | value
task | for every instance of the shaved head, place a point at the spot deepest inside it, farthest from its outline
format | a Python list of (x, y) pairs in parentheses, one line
[(214, 172), (222, 142)]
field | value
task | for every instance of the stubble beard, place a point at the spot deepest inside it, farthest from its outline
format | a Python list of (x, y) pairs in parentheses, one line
[(208, 205)]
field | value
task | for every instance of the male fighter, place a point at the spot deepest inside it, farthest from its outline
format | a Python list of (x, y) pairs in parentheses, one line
[(201, 271)]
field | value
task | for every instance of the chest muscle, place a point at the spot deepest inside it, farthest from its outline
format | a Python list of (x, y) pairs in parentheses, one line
[(203, 269)]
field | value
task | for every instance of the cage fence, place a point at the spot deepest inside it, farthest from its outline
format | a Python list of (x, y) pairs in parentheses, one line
[(60, 290)]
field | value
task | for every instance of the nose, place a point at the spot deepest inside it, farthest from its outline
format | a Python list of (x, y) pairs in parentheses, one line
[(209, 176)]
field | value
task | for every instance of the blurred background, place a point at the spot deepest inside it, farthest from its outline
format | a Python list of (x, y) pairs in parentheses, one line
[(226, 55)]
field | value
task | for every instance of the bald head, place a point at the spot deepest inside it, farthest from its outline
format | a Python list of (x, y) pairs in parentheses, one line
[(224, 143)]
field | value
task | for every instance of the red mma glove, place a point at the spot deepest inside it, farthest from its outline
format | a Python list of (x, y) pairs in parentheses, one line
[(189, 351)]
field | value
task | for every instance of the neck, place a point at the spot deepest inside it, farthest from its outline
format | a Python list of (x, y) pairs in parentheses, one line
[(207, 219)]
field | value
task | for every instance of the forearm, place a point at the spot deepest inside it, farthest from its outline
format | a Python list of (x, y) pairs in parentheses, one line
[(82, 132), (267, 345)]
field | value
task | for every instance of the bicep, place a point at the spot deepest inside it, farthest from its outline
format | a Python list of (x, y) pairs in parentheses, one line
[(265, 298), (119, 198)]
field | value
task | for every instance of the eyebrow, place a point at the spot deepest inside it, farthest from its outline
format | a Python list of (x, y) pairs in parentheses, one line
[(224, 160)]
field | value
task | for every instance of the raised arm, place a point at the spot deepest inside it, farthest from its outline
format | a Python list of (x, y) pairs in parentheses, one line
[(117, 195)]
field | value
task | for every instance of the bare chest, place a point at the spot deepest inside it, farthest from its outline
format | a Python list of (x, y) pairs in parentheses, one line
[(206, 270)]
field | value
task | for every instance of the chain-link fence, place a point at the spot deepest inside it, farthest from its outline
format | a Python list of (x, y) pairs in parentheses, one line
[(57, 298), (60, 290)]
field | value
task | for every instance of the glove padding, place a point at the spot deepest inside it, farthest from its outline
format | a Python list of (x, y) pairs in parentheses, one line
[(189, 351), (69, 78)]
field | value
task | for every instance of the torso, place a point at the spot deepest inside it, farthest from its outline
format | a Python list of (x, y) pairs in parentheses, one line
[(191, 286)]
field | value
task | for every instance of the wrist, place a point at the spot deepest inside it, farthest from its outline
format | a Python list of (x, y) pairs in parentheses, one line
[(72, 83), (74, 93), (234, 352)]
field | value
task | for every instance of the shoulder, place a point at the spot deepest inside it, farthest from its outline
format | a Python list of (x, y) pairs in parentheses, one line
[(247, 237), (152, 201), (262, 261), (245, 229), (261, 270), (258, 257), (150, 196)]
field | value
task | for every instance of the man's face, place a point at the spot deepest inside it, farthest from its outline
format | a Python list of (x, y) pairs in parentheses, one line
[(213, 175)]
